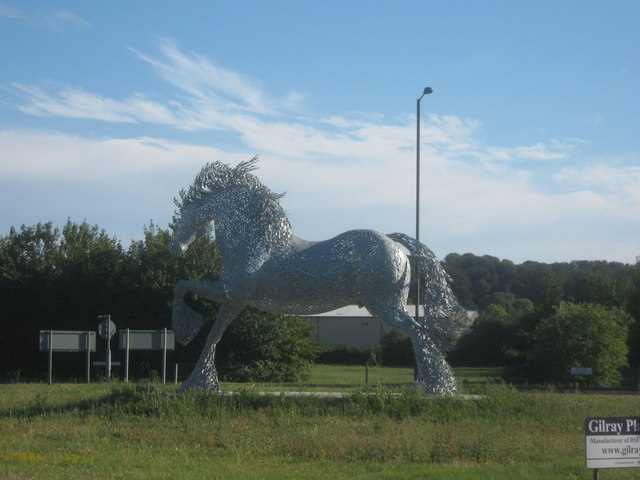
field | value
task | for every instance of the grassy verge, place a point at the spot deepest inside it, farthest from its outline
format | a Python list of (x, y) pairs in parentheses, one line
[(349, 378), (111, 431)]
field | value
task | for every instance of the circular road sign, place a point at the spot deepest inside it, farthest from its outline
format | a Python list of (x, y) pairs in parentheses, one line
[(107, 327)]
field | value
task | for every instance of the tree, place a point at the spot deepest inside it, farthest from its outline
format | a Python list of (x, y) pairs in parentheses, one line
[(548, 295), (529, 275), (507, 272), (580, 335), (460, 284), (483, 276), (632, 306), (595, 287), (28, 276), (89, 276), (489, 341)]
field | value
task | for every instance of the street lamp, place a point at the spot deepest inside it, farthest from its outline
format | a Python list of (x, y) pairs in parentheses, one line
[(426, 91)]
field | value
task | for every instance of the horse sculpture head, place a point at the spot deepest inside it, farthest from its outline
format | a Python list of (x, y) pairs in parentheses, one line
[(191, 226), (227, 194)]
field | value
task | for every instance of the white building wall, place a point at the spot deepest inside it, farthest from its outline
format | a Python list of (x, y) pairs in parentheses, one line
[(352, 326)]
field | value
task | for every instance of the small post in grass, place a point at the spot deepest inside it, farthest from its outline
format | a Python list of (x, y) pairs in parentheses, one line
[(50, 357)]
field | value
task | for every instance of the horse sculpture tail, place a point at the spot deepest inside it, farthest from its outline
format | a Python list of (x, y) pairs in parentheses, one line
[(444, 319)]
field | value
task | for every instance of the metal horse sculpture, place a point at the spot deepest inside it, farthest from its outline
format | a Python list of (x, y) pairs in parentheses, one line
[(264, 265)]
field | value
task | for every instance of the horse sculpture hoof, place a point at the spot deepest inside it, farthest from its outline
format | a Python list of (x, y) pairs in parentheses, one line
[(201, 381)]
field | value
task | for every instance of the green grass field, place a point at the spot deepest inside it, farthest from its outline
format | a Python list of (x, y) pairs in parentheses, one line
[(119, 431)]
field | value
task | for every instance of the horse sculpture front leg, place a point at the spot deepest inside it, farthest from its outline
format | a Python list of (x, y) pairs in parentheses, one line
[(205, 375), (186, 322)]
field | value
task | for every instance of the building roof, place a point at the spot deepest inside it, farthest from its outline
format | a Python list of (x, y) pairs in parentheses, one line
[(355, 311)]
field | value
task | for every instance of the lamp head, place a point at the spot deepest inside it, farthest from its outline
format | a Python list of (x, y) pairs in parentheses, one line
[(427, 91)]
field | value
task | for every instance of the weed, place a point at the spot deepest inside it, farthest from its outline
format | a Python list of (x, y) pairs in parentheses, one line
[(26, 457)]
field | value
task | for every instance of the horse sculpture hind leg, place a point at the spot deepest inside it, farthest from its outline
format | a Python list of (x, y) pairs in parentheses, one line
[(434, 373)]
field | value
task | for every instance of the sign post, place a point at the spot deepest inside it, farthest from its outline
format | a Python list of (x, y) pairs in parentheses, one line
[(106, 330), (164, 356), (50, 357), (612, 443), (88, 347), (126, 357)]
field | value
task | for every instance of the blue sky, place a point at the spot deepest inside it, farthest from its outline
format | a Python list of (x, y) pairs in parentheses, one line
[(530, 144)]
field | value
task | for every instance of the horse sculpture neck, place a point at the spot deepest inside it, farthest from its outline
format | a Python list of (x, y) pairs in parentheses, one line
[(246, 220)]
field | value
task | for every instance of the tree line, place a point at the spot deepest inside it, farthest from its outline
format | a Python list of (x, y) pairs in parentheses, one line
[(539, 320), (62, 279), (531, 315)]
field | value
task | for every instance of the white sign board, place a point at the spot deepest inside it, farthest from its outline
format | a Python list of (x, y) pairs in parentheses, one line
[(581, 371), (147, 339), (612, 442), (66, 341)]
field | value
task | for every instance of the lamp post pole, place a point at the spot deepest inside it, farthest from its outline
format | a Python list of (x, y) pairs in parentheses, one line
[(426, 91)]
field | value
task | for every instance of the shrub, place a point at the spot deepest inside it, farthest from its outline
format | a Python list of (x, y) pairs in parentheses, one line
[(396, 350), (580, 335), (343, 355), (265, 347)]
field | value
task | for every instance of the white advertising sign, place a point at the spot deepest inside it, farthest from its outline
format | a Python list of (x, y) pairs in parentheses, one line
[(612, 442)]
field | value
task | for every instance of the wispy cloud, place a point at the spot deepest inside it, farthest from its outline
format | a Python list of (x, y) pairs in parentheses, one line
[(592, 120), (10, 12), (50, 20), (71, 19), (213, 85), (76, 103)]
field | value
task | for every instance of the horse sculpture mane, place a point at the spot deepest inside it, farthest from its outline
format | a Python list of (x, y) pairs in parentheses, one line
[(265, 266), (216, 177)]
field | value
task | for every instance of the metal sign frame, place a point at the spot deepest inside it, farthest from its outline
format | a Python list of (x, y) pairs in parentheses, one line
[(67, 341), (147, 340)]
